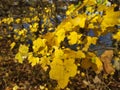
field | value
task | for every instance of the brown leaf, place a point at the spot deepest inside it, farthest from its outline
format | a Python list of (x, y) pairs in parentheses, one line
[(106, 58), (96, 80)]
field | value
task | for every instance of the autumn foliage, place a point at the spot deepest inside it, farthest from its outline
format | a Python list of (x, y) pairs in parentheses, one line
[(61, 50)]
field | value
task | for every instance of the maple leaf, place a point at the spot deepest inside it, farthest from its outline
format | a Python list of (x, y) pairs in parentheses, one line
[(33, 60), (79, 21), (38, 43), (60, 34), (71, 8), (58, 52), (75, 39), (44, 61), (18, 56), (23, 49), (111, 18), (62, 70), (22, 54)]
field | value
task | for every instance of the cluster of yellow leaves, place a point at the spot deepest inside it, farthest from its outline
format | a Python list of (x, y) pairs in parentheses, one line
[(18, 20), (47, 48), (60, 34), (26, 20), (34, 27), (62, 70), (44, 62), (38, 44), (63, 66), (33, 60), (71, 8), (8, 20), (22, 32), (22, 53)]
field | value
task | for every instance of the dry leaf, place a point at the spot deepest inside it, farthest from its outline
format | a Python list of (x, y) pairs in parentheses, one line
[(106, 58), (96, 80)]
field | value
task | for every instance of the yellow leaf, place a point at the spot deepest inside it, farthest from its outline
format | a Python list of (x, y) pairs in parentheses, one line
[(27, 20), (31, 9), (90, 2), (117, 36), (90, 40), (12, 45), (111, 18), (67, 26), (58, 52), (44, 61), (80, 54), (98, 64), (68, 53), (82, 74), (34, 27), (60, 34), (18, 20), (90, 9), (62, 70), (38, 43), (35, 18), (15, 87), (23, 50), (18, 56), (73, 37), (79, 21), (33, 60), (70, 9), (50, 39)]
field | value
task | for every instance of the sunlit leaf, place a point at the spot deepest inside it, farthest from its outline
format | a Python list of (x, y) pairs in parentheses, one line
[(60, 34), (23, 50), (18, 56), (12, 45), (73, 38), (38, 43), (62, 70), (33, 60), (79, 20)]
